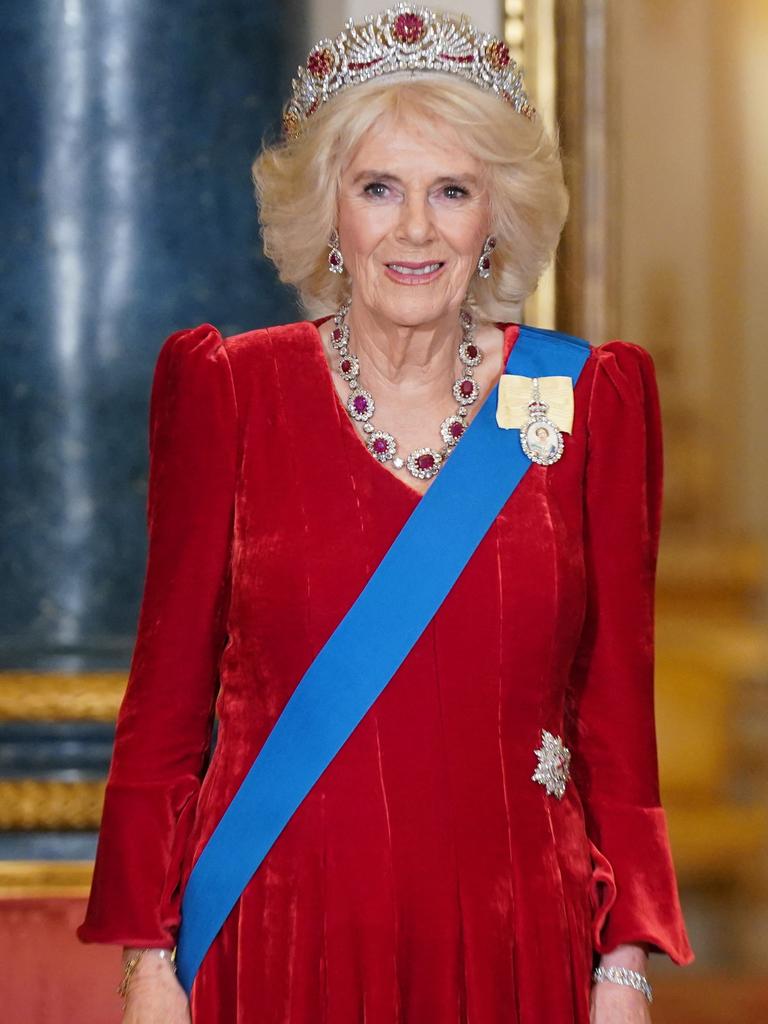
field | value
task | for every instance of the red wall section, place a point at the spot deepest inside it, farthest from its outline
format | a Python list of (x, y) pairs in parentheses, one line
[(48, 976)]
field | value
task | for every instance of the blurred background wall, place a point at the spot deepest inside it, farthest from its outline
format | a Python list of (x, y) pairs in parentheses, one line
[(660, 108), (126, 212)]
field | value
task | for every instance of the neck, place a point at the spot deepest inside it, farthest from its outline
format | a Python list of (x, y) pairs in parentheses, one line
[(415, 360)]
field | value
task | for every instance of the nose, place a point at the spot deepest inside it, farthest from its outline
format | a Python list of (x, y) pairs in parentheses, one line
[(415, 225)]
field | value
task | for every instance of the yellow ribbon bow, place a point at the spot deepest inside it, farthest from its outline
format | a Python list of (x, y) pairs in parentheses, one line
[(515, 392)]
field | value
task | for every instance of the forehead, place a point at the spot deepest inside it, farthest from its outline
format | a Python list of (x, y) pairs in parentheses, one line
[(413, 144)]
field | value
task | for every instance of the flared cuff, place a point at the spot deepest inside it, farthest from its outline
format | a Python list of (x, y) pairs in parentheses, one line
[(633, 892), (135, 892)]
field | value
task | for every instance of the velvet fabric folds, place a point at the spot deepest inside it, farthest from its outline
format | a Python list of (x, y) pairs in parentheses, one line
[(426, 877)]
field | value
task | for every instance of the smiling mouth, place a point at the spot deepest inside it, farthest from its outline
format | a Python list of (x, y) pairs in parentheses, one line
[(415, 269)]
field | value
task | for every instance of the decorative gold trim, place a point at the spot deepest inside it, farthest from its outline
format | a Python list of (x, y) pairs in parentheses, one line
[(514, 29), (588, 262), (33, 879), (59, 696), (529, 31), (599, 229), (50, 804)]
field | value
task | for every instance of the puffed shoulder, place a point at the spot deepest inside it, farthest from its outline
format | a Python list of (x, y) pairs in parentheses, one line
[(192, 366), (624, 389), (192, 345), (625, 366), (193, 404), (624, 430)]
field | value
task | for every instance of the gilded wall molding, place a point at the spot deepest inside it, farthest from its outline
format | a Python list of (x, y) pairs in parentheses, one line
[(60, 697), (587, 265), (53, 804), (50, 804), (529, 31), (34, 879)]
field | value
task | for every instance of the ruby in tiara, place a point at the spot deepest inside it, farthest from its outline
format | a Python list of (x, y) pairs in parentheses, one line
[(409, 28), (320, 62), (498, 54)]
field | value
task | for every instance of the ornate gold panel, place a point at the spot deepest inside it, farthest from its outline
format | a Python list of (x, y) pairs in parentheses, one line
[(59, 697), (31, 879), (46, 804), (50, 804), (529, 31)]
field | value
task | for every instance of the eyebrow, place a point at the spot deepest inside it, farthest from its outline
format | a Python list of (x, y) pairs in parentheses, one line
[(468, 179)]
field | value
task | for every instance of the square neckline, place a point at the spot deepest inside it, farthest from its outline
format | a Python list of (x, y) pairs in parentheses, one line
[(348, 425)]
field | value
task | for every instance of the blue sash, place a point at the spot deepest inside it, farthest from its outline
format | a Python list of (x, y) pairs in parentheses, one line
[(401, 597)]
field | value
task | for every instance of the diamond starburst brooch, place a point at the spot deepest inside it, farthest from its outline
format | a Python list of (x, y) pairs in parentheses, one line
[(554, 760)]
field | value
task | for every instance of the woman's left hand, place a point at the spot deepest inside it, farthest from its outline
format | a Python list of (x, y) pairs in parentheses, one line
[(618, 1004)]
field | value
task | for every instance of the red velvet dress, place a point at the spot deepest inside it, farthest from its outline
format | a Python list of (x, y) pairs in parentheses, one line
[(426, 878)]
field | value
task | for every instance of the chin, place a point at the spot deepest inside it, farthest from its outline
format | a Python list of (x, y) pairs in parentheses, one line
[(412, 306)]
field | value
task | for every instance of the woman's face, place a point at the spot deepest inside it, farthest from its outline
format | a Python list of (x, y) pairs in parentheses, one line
[(413, 216)]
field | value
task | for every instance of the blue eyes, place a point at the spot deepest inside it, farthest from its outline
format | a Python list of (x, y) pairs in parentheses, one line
[(458, 190), (379, 190), (376, 188)]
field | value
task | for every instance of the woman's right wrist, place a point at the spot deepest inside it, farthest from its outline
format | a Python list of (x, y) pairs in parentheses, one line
[(146, 952), (140, 959)]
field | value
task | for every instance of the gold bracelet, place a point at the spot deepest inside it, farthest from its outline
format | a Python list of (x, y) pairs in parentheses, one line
[(130, 965)]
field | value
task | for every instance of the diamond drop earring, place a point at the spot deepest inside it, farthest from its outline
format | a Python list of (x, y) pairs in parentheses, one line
[(335, 259), (484, 261)]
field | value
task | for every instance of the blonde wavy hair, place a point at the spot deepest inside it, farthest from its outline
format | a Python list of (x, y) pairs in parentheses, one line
[(297, 185)]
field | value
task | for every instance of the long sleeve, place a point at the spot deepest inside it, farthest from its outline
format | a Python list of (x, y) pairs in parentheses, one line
[(610, 712), (165, 722)]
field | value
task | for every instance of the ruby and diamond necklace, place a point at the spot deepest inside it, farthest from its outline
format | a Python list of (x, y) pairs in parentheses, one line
[(422, 463)]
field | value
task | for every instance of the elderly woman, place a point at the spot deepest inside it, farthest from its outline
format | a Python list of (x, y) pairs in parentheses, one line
[(434, 794)]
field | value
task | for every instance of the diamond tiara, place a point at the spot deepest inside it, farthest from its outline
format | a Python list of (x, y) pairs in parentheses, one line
[(403, 38)]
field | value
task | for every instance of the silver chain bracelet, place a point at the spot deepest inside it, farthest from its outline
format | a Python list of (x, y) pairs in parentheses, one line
[(624, 976)]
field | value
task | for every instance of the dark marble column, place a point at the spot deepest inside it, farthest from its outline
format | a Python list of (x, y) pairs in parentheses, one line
[(126, 212)]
